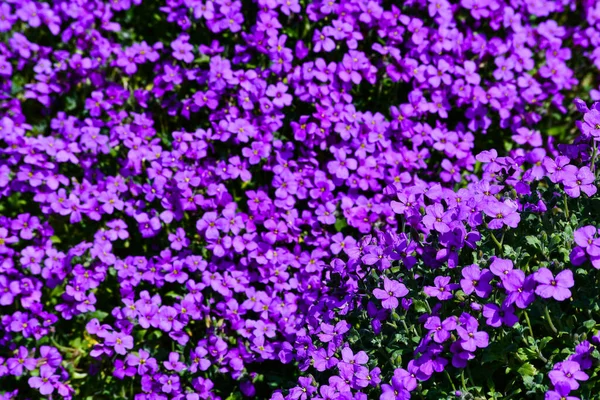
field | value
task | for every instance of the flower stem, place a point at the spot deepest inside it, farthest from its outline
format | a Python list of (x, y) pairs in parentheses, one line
[(528, 324), (549, 320), (540, 355), (404, 325), (450, 379), (471, 376), (497, 242)]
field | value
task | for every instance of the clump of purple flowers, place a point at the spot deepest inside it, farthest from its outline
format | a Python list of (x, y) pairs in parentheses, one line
[(208, 199)]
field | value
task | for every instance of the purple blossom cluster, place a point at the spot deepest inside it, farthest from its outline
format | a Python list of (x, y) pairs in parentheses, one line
[(588, 246), (195, 194), (449, 223), (567, 375)]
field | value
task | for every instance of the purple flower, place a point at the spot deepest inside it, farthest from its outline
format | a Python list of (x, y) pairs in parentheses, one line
[(326, 213), (476, 280), (173, 364), (561, 392), (49, 355), (392, 290), (568, 372), (120, 341), (304, 390), (469, 72), (437, 218), (442, 289), (502, 214), (322, 42), (26, 225), (45, 382), (6, 238), (279, 94), (440, 331), (471, 339), (182, 50), (170, 383), (257, 152), (29, 13), (591, 123), (439, 75), (199, 362), (7, 19), (520, 288), (559, 168), (339, 243), (143, 362), (342, 166), (407, 378), (349, 357), (395, 391), (582, 181), (325, 358), (496, 316), (549, 286), (148, 226), (505, 65), (329, 332), (20, 361), (178, 239), (585, 237), (208, 225), (501, 267)]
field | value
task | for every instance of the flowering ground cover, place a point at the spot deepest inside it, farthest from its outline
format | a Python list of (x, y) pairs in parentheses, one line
[(294, 199)]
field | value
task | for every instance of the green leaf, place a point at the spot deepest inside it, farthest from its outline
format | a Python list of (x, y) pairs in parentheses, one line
[(508, 251), (589, 324), (420, 306), (99, 315), (526, 354), (533, 241), (556, 238), (396, 357), (527, 370), (544, 341), (528, 381), (340, 224), (78, 375)]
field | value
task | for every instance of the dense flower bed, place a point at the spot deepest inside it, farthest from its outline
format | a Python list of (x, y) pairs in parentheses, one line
[(293, 199)]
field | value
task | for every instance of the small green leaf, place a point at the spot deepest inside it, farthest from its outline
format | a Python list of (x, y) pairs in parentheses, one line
[(99, 315), (340, 224), (533, 242), (528, 381), (508, 251), (420, 306), (544, 341), (527, 370), (589, 324)]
